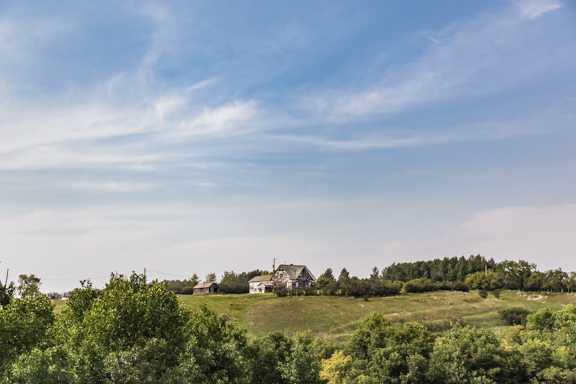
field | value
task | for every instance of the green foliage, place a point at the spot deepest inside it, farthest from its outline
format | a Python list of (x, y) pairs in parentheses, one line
[(185, 287), (273, 350), (344, 276), (323, 282), (280, 290), (514, 316), (134, 331), (328, 274), (483, 294), (6, 294), (23, 326), (487, 281), (447, 269), (427, 285), (237, 283), (302, 365), (386, 352), (210, 278), (516, 273), (216, 350), (28, 285), (470, 355), (541, 319)]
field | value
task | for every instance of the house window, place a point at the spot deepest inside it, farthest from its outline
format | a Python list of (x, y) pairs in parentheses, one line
[(296, 284)]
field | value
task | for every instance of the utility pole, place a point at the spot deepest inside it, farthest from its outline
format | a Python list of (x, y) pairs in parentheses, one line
[(144, 273), (486, 270)]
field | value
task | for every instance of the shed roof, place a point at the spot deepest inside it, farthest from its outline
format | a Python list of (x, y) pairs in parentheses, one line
[(295, 270), (256, 279), (204, 285)]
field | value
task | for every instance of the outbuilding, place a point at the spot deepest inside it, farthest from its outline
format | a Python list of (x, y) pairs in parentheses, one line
[(261, 284), (202, 288)]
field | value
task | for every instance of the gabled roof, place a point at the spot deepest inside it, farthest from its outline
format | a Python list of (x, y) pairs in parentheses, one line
[(294, 270), (204, 285), (256, 279)]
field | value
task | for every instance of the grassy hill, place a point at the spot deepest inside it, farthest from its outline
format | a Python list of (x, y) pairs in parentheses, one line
[(335, 318)]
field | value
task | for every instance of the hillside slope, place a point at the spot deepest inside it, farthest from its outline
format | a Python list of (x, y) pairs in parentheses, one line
[(335, 318)]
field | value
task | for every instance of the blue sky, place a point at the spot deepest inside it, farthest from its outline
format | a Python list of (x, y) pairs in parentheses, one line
[(191, 137)]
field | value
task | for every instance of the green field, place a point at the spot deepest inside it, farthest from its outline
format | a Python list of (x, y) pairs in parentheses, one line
[(335, 318)]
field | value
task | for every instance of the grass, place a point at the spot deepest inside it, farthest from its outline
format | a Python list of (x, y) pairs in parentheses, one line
[(335, 318)]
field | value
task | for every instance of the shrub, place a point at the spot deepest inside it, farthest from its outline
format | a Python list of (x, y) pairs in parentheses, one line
[(189, 290), (496, 294), (310, 291), (483, 294), (514, 316), (460, 286), (280, 290)]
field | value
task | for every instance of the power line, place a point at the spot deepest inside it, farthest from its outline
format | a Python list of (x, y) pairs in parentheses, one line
[(168, 274)]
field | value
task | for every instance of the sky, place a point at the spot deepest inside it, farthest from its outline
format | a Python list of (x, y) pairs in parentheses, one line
[(210, 136)]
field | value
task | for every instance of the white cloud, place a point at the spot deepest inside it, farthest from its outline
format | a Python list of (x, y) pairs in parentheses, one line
[(533, 9), (535, 124), (113, 186), (229, 118)]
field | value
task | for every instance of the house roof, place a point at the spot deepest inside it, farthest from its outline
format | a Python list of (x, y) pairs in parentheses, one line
[(294, 270), (256, 279), (204, 285)]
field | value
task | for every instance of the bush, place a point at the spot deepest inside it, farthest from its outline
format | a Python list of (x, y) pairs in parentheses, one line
[(483, 294), (280, 290), (514, 316), (419, 285), (234, 288), (189, 290), (460, 286), (310, 291), (496, 294)]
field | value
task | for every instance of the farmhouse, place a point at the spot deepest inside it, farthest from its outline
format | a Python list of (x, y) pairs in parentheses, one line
[(261, 284), (293, 276), (202, 288)]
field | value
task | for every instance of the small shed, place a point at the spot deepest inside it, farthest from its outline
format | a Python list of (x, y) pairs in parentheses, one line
[(202, 288), (261, 284)]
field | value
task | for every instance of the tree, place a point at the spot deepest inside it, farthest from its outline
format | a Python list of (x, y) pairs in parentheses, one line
[(6, 294), (28, 285), (344, 275), (471, 355), (328, 274), (375, 275), (516, 273), (210, 278), (303, 365), (484, 280), (23, 325), (194, 280)]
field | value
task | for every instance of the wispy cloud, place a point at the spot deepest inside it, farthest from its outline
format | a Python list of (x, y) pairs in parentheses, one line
[(536, 8), (113, 186), (465, 59)]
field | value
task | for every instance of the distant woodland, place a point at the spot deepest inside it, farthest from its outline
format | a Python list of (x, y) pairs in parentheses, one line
[(455, 273)]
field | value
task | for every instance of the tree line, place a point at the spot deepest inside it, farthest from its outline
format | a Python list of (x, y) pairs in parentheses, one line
[(135, 331), (455, 273)]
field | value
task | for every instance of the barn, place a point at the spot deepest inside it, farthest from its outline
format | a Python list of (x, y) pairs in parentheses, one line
[(202, 288)]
